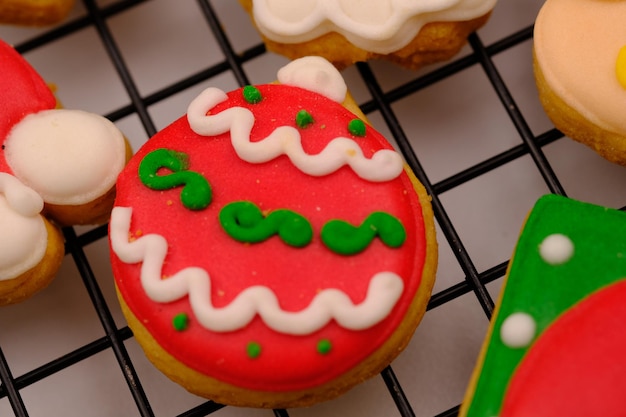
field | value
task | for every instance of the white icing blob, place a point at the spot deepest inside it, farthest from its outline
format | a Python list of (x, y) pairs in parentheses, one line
[(24, 235), (384, 290), (69, 157), (384, 165), (382, 26), (556, 249), (518, 330), (316, 74)]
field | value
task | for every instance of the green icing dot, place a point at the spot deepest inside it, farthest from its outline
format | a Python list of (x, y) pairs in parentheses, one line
[(303, 119), (180, 321), (253, 350), (252, 94), (357, 127), (324, 346)]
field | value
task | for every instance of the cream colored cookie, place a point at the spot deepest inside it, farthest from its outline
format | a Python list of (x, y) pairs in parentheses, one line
[(578, 75)]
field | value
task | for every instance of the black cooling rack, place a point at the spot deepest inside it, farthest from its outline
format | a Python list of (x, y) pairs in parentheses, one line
[(474, 281)]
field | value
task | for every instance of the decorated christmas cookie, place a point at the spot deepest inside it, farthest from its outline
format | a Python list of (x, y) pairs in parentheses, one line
[(556, 343), (57, 167), (270, 248), (410, 33), (34, 12), (581, 77)]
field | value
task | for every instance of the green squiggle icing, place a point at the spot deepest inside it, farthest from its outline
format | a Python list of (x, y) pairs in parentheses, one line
[(346, 239), (196, 193), (245, 222)]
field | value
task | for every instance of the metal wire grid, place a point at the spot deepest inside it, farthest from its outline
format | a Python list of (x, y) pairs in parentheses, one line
[(474, 282)]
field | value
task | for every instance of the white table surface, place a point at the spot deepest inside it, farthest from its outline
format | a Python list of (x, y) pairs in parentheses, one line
[(453, 124)]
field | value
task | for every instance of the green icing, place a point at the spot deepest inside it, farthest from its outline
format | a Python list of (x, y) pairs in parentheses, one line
[(245, 222), (196, 193), (303, 119), (346, 239), (324, 346), (546, 291), (253, 350), (180, 321), (357, 127), (252, 94)]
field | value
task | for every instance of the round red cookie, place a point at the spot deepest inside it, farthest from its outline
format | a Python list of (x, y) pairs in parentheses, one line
[(310, 305)]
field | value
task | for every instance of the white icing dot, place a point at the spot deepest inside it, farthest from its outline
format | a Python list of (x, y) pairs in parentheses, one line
[(556, 249), (518, 330), (315, 74)]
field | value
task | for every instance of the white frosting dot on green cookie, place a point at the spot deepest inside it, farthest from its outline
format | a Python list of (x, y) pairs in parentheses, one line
[(518, 330), (556, 249)]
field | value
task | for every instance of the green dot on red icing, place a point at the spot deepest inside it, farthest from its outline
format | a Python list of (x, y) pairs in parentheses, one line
[(324, 346), (180, 321), (253, 350), (303, 119), (252, 94), (357, 127)]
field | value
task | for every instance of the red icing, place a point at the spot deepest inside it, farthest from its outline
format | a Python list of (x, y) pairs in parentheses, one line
[(294, 274), (23, 92), (576, 367)]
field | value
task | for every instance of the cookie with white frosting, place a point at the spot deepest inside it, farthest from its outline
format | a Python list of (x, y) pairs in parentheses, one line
[(57, 168), (270, 248), (410, 33)]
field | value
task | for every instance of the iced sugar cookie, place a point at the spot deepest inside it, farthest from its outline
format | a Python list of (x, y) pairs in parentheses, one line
[(34, 12), (581, 77), (556, 342), (271, 249), (57, 167), (410, 33)]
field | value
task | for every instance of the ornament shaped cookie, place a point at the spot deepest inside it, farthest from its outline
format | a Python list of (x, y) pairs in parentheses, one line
[(556, 342), (57, 167), (34, 12), (581, 77), (270, 248), (410, 33)]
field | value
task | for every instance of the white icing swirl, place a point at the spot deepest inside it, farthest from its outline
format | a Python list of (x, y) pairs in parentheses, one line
[(384, 165), (69, 157), (384, 290), (24, 236), (381, 26)]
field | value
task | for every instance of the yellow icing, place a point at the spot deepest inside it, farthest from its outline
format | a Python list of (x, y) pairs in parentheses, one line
[(620, 68), (575, 45)]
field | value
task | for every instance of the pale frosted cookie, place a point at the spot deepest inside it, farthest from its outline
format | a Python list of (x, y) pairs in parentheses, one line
[(57, 167), (410, 33), (270, 249), (580, 70), (556, 341), (34, 12)]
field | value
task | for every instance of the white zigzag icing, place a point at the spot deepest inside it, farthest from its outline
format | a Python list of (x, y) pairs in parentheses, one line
[(384, 290), (384, 165)]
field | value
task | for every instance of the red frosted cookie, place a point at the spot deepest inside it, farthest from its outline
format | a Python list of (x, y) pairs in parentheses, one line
[(57, 167), (271, 249)]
